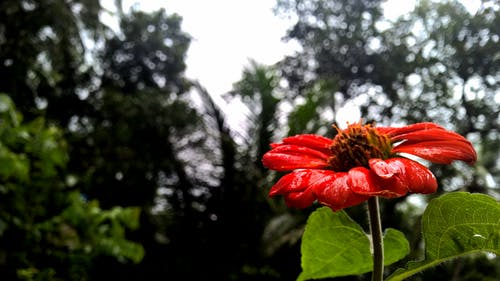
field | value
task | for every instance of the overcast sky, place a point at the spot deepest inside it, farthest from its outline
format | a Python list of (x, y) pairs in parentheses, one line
[(227, 33)]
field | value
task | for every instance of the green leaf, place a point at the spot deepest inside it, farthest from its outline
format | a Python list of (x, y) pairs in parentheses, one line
[(335, 245), (453, 225), (13, 165), (8, 111), (396, 246)]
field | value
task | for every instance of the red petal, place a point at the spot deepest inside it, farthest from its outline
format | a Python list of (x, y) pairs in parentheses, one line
[(431, 142), (441, 152), (297, 181), (300, 200), (393, 131), (291, 157), (382, 168), (428, 135), (418, 177), (405, 173), (366, 182), (297, 186), (311, 141), (336, 194)]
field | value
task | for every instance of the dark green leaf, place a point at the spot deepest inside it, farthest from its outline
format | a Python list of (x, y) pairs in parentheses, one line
[(335, 245), (456, 224)]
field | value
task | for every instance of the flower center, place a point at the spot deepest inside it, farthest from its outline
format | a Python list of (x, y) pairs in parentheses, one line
[(354, 146)]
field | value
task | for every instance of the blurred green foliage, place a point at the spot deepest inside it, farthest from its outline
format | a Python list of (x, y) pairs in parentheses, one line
[(48, 230)]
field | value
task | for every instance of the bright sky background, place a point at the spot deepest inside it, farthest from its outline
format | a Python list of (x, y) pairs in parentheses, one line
[(226, 34)]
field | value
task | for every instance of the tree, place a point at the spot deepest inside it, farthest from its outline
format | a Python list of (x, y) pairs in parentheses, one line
[(127, 147), (43, 55), (49, 231)]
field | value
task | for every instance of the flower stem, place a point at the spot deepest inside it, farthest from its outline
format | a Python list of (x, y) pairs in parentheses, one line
[(377, 242)]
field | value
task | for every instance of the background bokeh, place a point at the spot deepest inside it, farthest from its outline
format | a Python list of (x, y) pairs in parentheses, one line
[(116, 166)]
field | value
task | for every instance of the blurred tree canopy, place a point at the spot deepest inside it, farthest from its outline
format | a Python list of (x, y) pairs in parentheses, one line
[(48, 230), (44, 55), (124, 129)]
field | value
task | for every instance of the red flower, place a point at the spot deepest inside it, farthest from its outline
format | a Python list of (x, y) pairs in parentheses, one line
[(362, 161)]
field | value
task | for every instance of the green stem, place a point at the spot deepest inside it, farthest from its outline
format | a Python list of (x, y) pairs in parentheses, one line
[(377, 242)]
